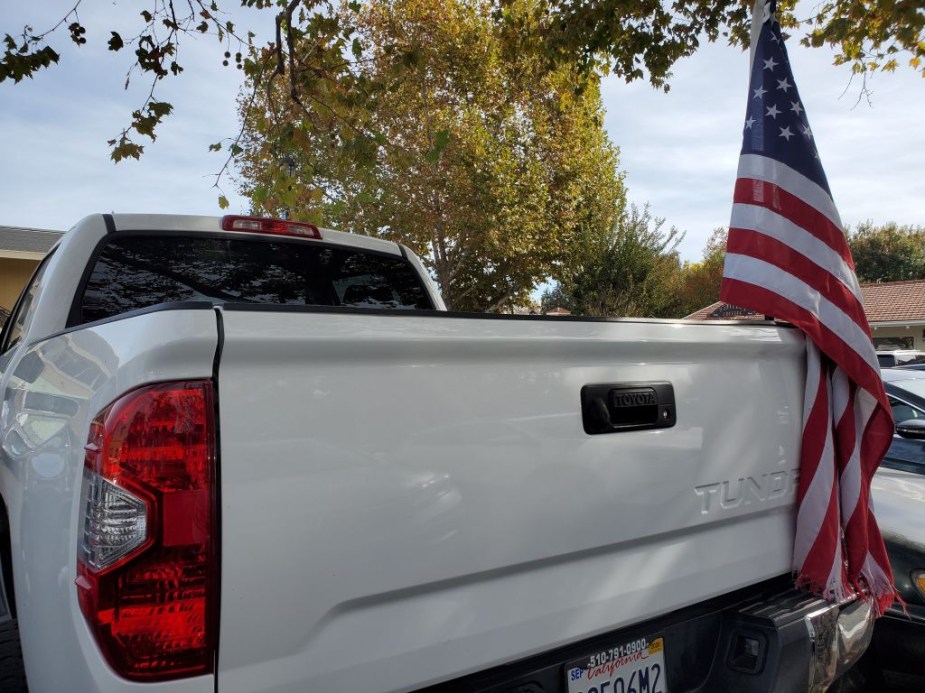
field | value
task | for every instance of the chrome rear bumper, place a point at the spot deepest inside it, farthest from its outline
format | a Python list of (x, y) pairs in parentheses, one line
[(839, 635)]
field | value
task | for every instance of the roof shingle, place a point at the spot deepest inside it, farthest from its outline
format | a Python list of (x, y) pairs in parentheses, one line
[(883, 302), (22, 240)]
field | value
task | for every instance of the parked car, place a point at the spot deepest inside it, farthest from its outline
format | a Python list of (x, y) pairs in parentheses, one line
[(906, 390), (912, 366), (895, 660), (899, 357)]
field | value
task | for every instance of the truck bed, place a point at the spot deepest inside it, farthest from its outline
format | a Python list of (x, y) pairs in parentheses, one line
[(408, 498)]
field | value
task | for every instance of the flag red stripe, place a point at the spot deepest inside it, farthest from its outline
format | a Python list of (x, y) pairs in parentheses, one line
[(764, 247), (877, 439), (819, 558), (845, 433), (814, 435), (764, 194), (831, 343)]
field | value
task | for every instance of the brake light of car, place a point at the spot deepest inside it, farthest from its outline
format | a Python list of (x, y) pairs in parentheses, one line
[(279, 227), (146, 563)]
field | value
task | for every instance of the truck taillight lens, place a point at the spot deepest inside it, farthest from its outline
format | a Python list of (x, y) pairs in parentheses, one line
[(279, 227), (146, 564)]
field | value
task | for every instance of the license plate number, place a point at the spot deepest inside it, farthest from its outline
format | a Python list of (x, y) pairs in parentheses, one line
[(637, 666)]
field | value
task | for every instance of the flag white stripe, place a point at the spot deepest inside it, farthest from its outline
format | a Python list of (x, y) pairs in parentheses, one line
[(876, 577), (841, 389), (813, 509), (777, 226), (835, 586), (786, 178), (851, 478), (813, 367), (815, 506), (772, 278)]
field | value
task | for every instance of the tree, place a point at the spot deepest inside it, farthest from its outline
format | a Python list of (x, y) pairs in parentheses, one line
[(701, 280), (888, 253), (630, 38), (487, 163), (635, 272), (635, 37)]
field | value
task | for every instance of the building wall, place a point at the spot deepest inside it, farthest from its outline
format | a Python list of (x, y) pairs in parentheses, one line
[(902, 336), (14, 275)]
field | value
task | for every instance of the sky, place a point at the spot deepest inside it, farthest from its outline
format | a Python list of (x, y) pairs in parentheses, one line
[(679, 150)]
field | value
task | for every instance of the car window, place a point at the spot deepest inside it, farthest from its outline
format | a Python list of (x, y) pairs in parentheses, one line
[(904, 412), (15, 326)]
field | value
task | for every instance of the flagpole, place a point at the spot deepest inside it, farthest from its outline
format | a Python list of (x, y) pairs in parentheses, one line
[(757, 10)]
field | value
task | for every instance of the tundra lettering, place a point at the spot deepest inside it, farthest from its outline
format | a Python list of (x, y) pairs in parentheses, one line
[(746, 490)]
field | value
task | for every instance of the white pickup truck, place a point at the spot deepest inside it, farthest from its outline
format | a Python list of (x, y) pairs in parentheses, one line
[(248, 455)]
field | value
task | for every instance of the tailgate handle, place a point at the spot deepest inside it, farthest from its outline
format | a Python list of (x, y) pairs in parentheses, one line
[(616, 407)]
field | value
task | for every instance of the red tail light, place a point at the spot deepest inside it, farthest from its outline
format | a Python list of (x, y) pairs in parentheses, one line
[(280, 227), (146, 564)]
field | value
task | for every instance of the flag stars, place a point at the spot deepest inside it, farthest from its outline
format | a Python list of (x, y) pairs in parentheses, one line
[(773, 112), (759, 92), (783, 84), (785, 133), (770, 64), (749, 123), (807, 132), (796, 107)]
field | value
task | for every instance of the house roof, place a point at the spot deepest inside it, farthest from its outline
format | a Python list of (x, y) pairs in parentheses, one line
[(724, 311), (895, 301), (32, 244), (884, 302)]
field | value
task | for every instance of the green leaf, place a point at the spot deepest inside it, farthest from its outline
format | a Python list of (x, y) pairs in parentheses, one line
[(236, 150), (357, 48), (441, 139), (223, 202), (159, 109), (125, 149), (217, 147), (259, 194)]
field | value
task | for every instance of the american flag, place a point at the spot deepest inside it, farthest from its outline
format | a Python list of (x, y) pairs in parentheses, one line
[(787, 256)]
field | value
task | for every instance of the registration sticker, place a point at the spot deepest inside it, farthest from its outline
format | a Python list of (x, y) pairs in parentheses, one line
[(637, 666)]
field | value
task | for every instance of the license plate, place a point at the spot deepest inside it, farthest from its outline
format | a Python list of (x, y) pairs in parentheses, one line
[(637, 666)]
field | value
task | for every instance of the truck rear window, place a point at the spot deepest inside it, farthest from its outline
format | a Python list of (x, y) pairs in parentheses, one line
[(133, 272)]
